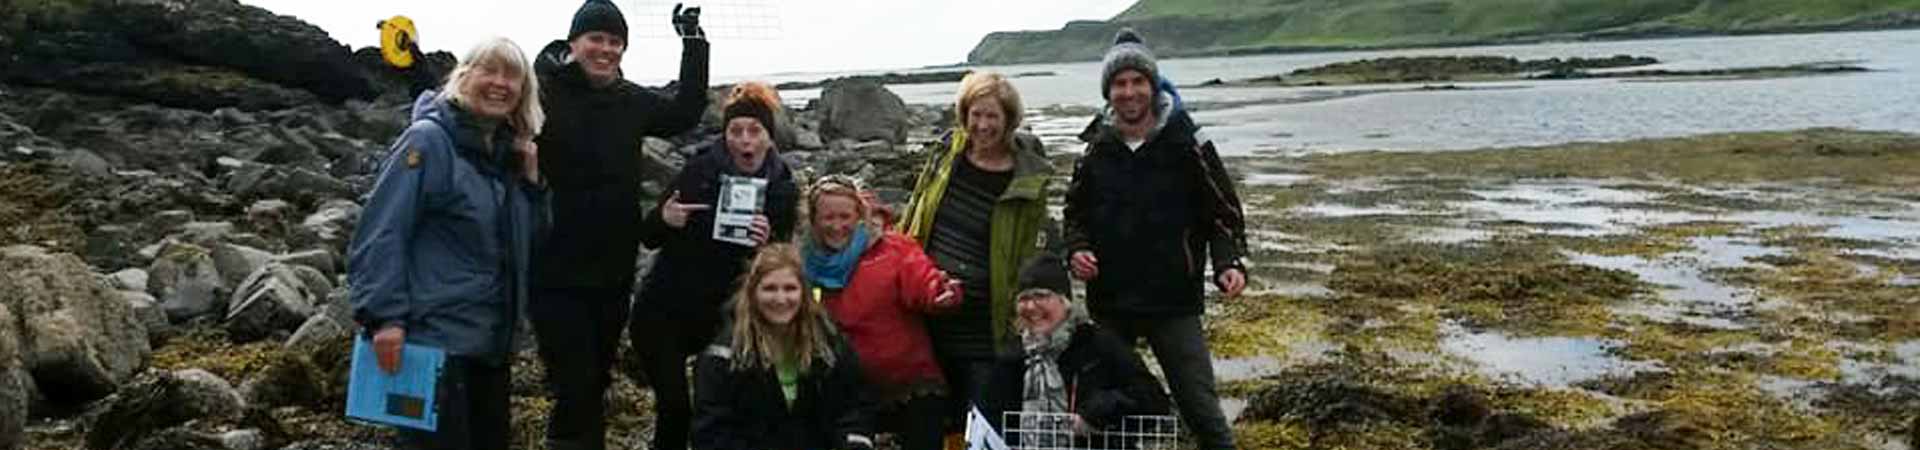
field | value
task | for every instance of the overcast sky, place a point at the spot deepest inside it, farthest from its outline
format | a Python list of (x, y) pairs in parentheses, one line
[(813, 35)]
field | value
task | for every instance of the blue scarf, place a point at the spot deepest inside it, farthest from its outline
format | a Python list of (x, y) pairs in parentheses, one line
[(831, 270)]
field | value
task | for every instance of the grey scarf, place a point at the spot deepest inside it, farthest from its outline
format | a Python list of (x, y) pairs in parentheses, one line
[(1046, 388)]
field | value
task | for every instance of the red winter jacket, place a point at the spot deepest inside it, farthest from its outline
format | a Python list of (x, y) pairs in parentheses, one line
[(880, 312)]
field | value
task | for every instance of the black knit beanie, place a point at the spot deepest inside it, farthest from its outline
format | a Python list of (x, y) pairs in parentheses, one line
[(1046, 271), (750, 108), (598, 15)]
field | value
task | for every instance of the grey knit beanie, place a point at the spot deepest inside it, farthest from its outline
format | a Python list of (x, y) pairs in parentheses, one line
[(1128, 52)]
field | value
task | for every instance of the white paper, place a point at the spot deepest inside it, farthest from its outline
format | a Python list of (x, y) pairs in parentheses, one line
[(980, 434)]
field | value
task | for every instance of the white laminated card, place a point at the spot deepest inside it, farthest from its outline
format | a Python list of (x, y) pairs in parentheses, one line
[(740, 200)]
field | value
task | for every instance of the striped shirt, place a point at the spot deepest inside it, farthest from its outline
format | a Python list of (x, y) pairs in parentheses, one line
[(959, 244)]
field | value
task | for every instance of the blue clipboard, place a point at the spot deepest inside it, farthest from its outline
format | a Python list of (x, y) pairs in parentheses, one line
[(401, 399)]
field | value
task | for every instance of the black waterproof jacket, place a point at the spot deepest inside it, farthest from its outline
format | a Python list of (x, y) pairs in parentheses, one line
[(590, 156), (693, 273)]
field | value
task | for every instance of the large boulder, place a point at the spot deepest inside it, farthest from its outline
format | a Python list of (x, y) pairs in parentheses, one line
[(275, 299), (13, 383), (863, 110), (281, 49), (187, 281), (158, 401), (81, 341)]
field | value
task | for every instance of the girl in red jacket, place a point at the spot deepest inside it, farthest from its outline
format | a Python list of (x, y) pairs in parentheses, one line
[(876, 286)]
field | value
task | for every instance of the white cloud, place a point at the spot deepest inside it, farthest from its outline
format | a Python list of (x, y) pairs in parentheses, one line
[(817, 35)]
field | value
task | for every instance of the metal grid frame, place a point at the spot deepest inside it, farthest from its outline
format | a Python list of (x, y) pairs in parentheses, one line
[(722, 19), (1054, 431)]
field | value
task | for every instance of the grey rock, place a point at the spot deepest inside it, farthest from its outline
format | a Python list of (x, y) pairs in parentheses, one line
[(80, 340), (317, 283), (273, 300), (130, 279), (204, 234), (85, 162), (256, 241), (298, 184), (273, 217), (863, 110), (147, 310), (166, 222), (244, 440), (186, 281), (319, 259), (319, 330), (207, 394), (330, 226), (235, 262), (234, 118), (658, 160), (808, 140)]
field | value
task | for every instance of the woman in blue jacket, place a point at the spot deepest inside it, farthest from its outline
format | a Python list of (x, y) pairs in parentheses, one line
[(440, 257)]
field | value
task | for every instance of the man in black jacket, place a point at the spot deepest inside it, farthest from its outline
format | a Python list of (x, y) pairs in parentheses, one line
[(584, 273), (1149, 202)]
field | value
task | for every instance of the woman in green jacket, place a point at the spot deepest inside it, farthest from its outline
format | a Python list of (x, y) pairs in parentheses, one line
[(979, 209)]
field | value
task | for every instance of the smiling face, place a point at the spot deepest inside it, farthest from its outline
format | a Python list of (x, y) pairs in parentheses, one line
[(1040, 310), (1131, 95), (598, 53), (834, 218), (778, 296), (493, 90), (986, 121)]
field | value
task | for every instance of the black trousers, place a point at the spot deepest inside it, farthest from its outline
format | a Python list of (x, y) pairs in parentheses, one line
[(579, 335), (473, 408), (664, 340), (1180, 343), (918, 423), (967, 378)]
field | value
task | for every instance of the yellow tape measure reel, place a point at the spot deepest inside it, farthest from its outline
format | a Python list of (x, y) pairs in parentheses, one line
[(397, 38)]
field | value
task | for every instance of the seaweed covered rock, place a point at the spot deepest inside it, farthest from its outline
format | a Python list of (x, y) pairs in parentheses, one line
[(158, 401)]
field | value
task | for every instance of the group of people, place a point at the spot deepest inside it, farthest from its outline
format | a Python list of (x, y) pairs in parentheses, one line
[(517, 189)]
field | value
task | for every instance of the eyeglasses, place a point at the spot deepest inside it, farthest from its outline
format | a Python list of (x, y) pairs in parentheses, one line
[(1033, 295)]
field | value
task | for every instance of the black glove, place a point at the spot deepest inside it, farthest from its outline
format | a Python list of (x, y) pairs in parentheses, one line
[(687, 22)]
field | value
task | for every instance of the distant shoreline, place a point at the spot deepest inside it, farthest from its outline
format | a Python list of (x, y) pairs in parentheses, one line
[(1596, 37)]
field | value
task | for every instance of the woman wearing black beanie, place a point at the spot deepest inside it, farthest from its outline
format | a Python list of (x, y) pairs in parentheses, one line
[(583, 274)]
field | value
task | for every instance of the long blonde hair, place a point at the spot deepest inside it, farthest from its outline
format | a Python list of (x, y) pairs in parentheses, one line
[(502, 54), (757, 343)]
